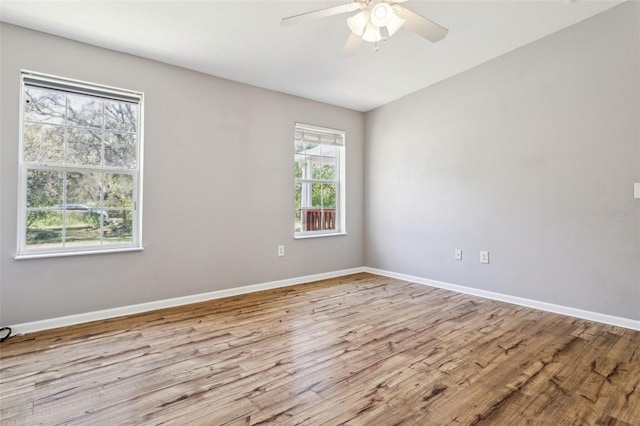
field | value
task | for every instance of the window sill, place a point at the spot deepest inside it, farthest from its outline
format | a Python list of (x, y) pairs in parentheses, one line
[(304, 237), (75, 253)]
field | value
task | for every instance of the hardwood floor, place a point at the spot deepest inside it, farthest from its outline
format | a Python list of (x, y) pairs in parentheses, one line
[(358, 350)]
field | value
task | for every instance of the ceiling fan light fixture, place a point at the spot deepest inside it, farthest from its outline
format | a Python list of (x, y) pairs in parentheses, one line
[(374, 20), (381, 14), (358, 22), (371, 33)]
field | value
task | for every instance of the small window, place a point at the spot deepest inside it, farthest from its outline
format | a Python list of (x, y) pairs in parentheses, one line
[(319, 180), (80, 167)]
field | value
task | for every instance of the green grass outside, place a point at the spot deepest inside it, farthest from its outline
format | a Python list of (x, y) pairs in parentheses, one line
[(80, 234)]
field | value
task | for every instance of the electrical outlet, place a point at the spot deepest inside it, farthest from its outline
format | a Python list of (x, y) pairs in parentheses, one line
[(458, 255), (280, 251), (484, 257)]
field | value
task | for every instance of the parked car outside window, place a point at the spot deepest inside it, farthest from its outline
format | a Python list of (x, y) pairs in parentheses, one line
[(84, 208)]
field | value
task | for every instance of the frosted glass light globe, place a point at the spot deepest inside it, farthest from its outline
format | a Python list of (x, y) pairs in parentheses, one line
[(381, 15), (359, 22)]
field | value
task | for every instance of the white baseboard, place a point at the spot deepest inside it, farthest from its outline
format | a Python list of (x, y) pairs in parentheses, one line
[(47, 324), (543, 306), (30, 327)]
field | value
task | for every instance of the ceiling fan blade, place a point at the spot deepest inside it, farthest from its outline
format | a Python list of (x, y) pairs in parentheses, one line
[(421, 25), (323, 13), (352, 45)]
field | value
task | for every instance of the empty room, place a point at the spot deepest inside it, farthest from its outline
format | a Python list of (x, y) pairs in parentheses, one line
[(332, 212)]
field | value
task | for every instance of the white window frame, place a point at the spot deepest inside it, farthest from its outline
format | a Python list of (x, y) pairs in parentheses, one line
[(335, 138), (47, 81)]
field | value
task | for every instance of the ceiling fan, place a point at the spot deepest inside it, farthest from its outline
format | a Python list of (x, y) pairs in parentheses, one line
[(376, 21)]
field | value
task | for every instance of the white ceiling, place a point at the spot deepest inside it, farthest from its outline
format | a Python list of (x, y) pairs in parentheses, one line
[(242, 40)]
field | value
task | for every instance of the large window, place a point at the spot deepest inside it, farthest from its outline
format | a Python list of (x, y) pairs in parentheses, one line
[(80, 167), (319, 180)]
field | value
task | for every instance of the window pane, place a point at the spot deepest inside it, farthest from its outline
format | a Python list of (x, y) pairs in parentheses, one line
[(118, 190), (44, 229), (323, 165), (323, 195), (329, 151), (120, 150), (119, 228), (329, 196), (43, 143), (82, 228), (84, 147), (316, 168), (121, 116), (83, 191), (298, 220), (44, 106), (299, 165), (298, 204), (316, 195), (329, 171), (329, 162), (44, 188), (84, 111), (310, 152)]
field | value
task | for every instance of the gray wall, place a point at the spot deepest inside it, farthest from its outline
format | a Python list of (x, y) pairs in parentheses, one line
[(526, 156), (218, 194)]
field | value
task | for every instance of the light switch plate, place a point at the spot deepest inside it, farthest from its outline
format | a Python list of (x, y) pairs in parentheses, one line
[(636, 190)]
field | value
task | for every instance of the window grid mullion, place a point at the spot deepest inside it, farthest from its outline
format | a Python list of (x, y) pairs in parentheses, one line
[(77, 126), (302, 180), (103, 152), (102, 175), (79, 169), (64, 210)]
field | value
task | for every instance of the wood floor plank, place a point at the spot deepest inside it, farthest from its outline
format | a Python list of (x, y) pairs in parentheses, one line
[(356, 350)]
